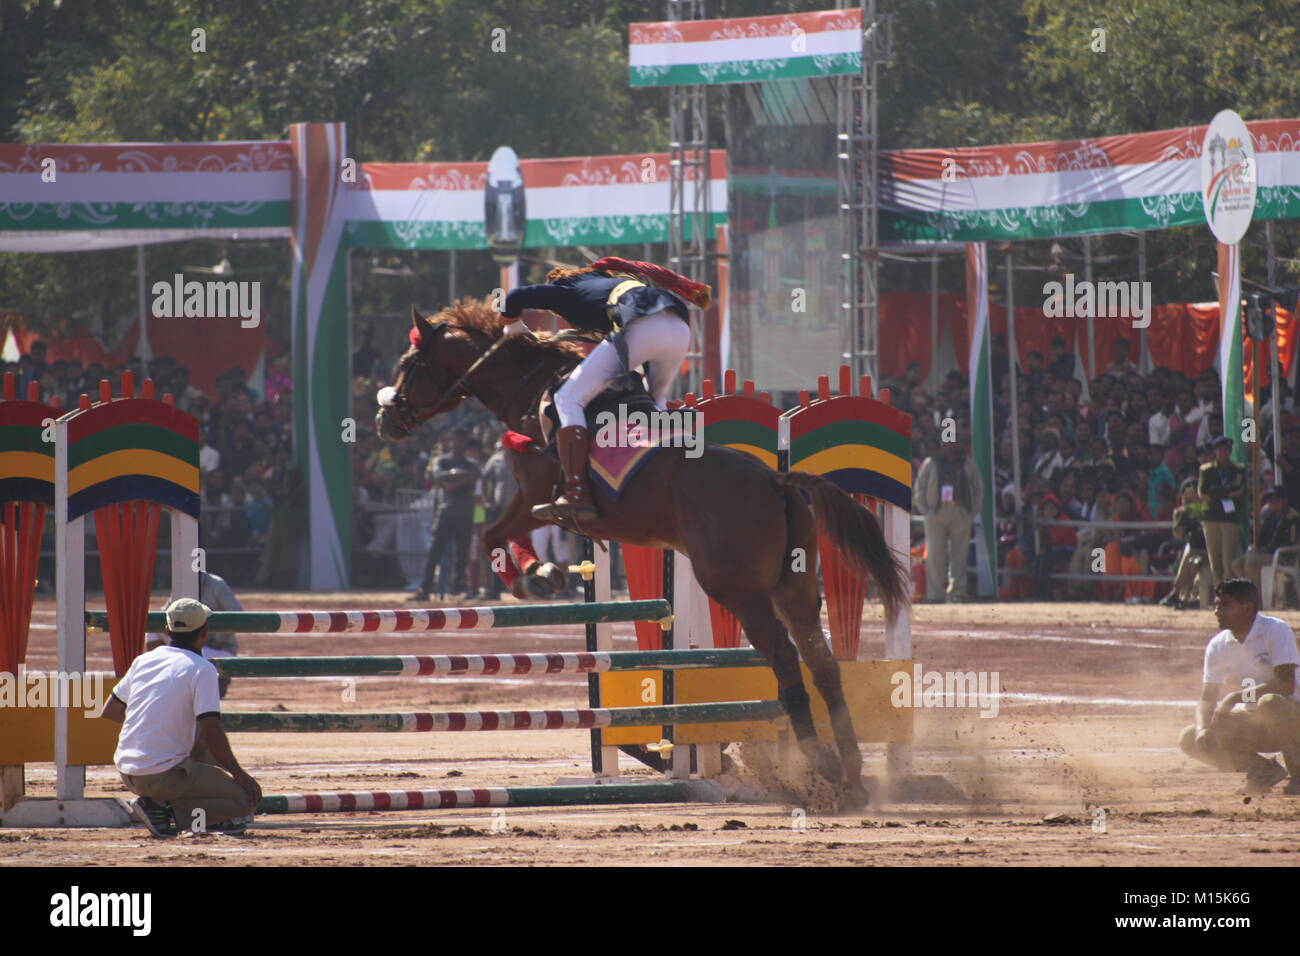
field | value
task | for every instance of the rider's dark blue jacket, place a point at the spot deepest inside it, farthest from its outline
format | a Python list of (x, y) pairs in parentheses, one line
[(582, 300)]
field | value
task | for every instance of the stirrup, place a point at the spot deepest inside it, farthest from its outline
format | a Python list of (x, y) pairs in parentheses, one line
[(557, 512)]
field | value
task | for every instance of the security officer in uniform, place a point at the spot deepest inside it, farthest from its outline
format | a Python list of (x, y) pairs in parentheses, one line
[(642, 309), (948, 493), (1222, 487)]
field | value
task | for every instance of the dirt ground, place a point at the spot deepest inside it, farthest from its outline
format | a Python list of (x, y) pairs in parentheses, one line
[(1093, 699)]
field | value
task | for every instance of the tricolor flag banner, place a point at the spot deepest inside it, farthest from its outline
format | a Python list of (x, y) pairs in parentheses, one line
[(1072, 187), (745, 49), (79, 197), (1230, 347), (572, 200), (981, 407), (319, 301)]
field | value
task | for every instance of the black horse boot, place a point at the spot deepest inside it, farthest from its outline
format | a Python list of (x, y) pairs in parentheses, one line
[(574, 505)]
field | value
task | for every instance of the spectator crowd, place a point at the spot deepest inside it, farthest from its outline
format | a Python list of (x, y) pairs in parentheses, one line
[(1139, 449), (1139, 463), (254, 502), (252, 497)]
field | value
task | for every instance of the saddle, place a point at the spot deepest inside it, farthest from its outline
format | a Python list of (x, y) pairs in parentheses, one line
[(613, 465), (627, 390)]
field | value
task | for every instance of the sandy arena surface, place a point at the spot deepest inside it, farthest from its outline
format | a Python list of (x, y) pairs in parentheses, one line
[(1093, 699)]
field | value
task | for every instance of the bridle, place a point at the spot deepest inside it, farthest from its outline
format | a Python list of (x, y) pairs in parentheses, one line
[(400, 407), (409, 417)]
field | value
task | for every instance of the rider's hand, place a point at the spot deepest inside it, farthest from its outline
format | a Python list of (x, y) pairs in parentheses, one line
[(516, 327)]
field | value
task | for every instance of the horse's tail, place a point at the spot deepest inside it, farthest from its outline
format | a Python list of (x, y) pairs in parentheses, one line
[(857, 535)]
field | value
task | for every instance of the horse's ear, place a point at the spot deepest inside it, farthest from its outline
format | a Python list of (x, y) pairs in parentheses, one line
[(419, 322)]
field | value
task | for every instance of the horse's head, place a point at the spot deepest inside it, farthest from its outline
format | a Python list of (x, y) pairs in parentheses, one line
[(429, 375), (442, 368)]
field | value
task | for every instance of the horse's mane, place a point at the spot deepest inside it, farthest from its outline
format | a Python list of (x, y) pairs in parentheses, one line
[(478, 316)]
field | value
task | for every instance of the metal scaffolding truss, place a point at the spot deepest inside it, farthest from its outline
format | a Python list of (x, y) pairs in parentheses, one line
[(688, 162), (858, 151)]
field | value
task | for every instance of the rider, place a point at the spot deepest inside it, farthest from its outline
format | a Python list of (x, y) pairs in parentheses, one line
[(642, 310)]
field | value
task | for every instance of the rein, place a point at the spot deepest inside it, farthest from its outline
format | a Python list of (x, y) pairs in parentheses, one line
[(451, 390), (412, 417)]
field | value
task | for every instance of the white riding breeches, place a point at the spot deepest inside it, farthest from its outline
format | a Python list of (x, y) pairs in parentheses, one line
[(661, 338)]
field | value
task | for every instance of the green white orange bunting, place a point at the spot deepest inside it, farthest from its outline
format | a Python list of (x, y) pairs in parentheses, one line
[(745, 49)]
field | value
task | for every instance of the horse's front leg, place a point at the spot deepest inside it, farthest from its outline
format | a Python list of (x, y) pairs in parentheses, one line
[(536, 476), (510, 552)]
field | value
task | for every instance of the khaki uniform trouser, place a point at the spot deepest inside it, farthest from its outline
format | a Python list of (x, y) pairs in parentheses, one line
[(1193, 569), (1249, 564), (947, 539), (1223, 545), (1241, 736), (194, 784)]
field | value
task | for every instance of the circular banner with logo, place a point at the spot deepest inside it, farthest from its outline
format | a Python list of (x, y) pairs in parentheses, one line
[(1228, 177)]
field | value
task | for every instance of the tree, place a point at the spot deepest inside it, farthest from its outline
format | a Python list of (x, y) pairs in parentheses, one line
[(413, 81)]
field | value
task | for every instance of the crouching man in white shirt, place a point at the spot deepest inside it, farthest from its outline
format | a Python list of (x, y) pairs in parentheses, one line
[(1249, 704), (216, 594), (172, 751)]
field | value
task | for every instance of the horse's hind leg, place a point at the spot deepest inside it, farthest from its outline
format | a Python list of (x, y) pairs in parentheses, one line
[(768, 636), (799, 605), (739, 560)]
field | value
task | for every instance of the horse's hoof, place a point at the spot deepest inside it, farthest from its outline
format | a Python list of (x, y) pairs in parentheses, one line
[(532, 587), (828, 765), (825, 760), (554, 574), (855, 796)]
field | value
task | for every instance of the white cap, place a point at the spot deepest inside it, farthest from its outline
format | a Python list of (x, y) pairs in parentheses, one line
[(185, 615)]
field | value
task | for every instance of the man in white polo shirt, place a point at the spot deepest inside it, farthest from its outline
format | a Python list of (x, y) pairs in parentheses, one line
[(1249, 704), (172, 751)]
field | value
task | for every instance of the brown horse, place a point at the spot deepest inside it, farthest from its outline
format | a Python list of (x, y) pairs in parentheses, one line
[(744, 526)]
